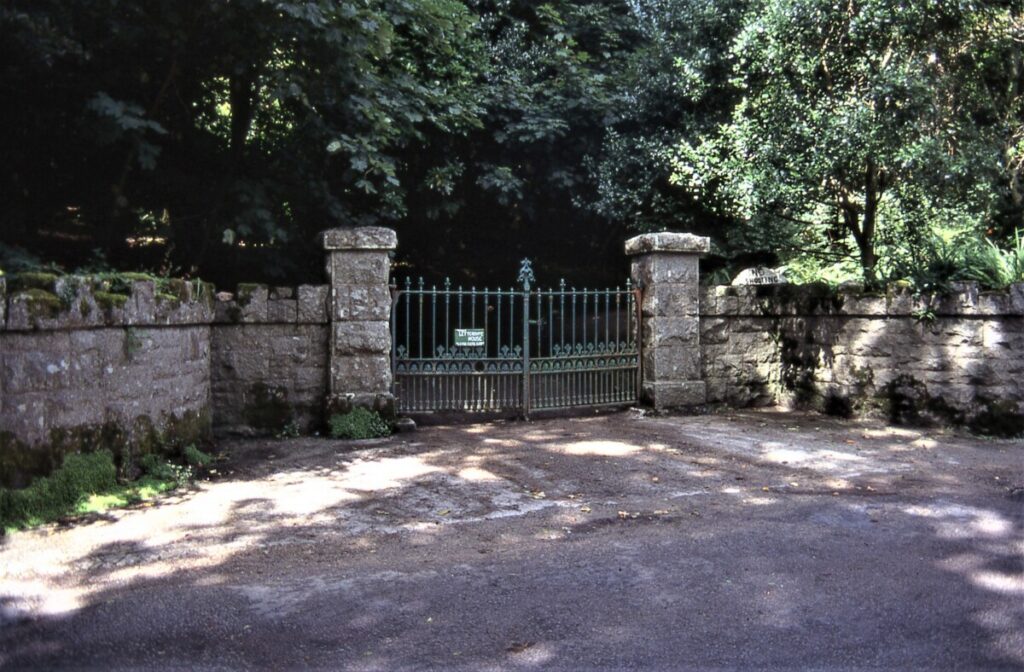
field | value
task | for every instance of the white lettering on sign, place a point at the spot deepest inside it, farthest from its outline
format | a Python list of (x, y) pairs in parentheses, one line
[(469, 338)]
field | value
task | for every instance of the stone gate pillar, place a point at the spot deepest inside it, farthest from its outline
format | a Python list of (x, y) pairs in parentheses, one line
[(665, 267), (359, 263)]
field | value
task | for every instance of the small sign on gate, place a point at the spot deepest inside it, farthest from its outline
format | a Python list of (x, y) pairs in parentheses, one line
[(469, 338)]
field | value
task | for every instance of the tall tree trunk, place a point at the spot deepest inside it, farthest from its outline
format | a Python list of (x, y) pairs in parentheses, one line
[(866, 242), (242, 97)]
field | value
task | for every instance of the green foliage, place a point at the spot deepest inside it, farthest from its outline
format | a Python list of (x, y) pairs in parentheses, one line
[(235, 123), (795, 132), (359, 423), (947, 257), (51, 497), (195, 457), (87, 483), (289, 431), (860, 127)]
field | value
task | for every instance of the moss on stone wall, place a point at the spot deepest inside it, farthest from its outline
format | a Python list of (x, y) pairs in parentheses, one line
[(33, 280), (20, 462), (109, 301), (267, 408), (41, 303), (246, 291)]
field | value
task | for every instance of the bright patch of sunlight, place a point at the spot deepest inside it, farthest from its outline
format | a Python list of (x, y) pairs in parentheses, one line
[(538, 654), (957, 522), (759, 501), (477, 474), (817, 459), (891, 432), (607, 448), (999, 583), (385, 473)]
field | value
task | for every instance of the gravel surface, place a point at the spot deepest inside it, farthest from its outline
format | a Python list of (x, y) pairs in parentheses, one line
[(756, 540)]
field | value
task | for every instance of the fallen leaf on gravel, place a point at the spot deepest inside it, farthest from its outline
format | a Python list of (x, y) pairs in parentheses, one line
[(585, 509), (623, 514), (655, 479), (764, 488), (660, 512), (794, 484), (538, 495), (444, 512)]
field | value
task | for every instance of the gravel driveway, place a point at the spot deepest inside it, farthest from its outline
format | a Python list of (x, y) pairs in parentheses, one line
[(745, 540)]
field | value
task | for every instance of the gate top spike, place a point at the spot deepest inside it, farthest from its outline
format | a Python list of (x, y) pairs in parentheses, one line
[(447, 284), (526, 276), (408, 282)]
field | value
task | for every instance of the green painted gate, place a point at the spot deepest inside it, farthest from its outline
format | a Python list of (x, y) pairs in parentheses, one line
[(519, 349)]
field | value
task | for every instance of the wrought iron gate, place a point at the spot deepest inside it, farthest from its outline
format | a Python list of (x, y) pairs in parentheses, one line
[(522, 349)]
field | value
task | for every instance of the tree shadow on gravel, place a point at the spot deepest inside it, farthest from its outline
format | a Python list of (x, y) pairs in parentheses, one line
[(567, 545)]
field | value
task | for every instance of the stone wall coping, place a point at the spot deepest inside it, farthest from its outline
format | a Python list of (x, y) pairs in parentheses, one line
[(668, 241), (360, 238), (75, 303), (254, 303), (965, 300), (82, 302)]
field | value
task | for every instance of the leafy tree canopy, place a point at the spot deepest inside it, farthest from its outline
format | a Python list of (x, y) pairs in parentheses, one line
[(218, 136)]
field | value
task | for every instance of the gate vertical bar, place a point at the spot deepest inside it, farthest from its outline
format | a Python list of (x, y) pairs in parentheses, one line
[(525, 278)]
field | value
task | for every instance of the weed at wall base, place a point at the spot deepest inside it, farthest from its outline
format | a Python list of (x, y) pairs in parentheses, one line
[(359, 423)]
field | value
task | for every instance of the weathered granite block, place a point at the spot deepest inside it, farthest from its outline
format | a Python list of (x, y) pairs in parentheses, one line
[(252, 300), (282, 311), (360, 267), (362, 337), (362, 302), (676, 363), (1016, 292), (671, 332), (670, 300), (666, 268), (360, 238), (313, 303), (674, 395), (668, 241), (361, 373)]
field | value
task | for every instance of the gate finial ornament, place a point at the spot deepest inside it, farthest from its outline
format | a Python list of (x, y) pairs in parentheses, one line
[(526, 276)]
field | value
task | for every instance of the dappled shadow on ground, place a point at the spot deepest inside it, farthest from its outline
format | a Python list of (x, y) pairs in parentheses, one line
[(609, 542)]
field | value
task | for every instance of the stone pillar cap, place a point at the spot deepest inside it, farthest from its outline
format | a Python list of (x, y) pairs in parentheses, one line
[(360, 238), (668, 241)]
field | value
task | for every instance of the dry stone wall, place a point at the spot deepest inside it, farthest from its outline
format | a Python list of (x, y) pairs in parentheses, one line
[(952, 359), (269, 359), (136, 364), (83, 366)]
